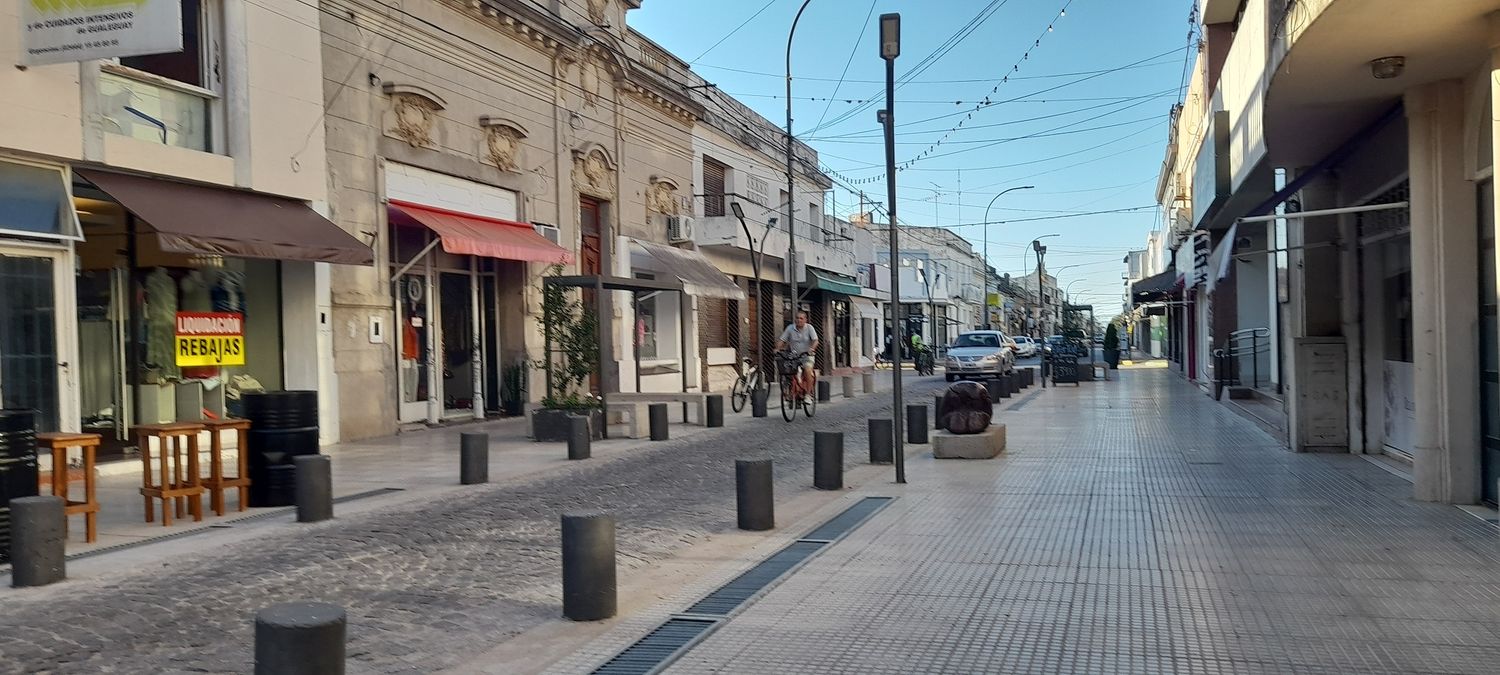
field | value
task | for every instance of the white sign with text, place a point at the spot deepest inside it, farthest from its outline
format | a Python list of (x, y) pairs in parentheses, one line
[(65, 31)]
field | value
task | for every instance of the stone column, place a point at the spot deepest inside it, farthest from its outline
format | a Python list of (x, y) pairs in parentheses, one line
[(1444, 241)]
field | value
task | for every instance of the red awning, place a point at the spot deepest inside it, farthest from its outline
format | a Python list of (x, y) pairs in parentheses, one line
[(467, 234)]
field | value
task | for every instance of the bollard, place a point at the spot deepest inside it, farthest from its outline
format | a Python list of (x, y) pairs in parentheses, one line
[(1015, 382), (714, 411), (473, 458), (994, 387), (754, 494), (658, 417), (1001, 387), (937, 408), (580, 438), (916, 424), (882, 439), (758, 402), (314, 488), (588, 566), (300, 638), (828, 460), (38, 541), (1021, 377), (848, 386), (825, 391), (867, 381)]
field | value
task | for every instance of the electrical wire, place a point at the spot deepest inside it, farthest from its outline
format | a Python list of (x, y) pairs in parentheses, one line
[(852, 51), (744, 23)]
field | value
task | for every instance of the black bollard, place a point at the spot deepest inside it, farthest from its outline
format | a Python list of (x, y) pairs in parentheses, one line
[(1001, 387), (758, 402), (314, 489), (882, 439), (300, 638), (588, 566), (38, 541), (473, 459), (916, 424), (828, 460), (825, 391), (1021, 380), (1015, 382), (580, 437), (754, 494), (937, 408), (714, 411), (994, 387), (658, 417)]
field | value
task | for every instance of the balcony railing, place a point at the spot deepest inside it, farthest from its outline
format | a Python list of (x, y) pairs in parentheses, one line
[(155, 109)]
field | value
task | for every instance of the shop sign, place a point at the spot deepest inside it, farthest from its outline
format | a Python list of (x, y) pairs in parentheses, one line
[(67, 31), (1202, 250), (210, 339)]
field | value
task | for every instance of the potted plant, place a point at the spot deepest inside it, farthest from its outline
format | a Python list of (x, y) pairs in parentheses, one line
[(571, 331), (513, 389), (1112, 346)]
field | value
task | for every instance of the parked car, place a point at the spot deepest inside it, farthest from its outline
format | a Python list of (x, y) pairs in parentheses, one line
[(979, 354), (1025, 346)]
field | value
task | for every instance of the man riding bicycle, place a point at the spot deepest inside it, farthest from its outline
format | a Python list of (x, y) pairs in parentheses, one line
[(801, 338)]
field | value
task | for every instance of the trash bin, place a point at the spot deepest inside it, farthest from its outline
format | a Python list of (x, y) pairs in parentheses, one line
[(283, 425)]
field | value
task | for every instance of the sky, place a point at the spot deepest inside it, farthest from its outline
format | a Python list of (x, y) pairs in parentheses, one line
[(1069, 96)]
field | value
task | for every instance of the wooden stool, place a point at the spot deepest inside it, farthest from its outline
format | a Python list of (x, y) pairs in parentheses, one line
[(180, 481), (58, 445), (217, 482)]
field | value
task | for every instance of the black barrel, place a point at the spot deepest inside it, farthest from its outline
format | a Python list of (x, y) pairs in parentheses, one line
[(283, 425), (18, 470)]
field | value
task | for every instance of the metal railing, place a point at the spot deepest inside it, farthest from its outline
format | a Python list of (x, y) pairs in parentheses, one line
[(1244, 346)]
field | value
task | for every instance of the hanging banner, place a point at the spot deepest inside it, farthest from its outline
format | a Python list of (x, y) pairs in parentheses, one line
[(65, 31), (210, 339)]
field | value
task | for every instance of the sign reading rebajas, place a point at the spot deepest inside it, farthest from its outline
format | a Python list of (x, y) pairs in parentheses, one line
[(63, 31)]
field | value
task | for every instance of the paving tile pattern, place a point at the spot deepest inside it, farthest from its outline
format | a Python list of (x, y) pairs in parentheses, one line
[(426, 587), (1135, 527)]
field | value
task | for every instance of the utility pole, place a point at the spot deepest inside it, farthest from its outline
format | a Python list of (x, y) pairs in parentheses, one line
[(890, 48), (791, 197)]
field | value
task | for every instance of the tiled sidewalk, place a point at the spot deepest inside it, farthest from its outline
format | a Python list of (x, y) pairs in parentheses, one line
[(1134, 526)]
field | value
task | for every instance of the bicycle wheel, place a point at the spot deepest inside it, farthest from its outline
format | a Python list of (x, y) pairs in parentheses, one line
[(788, 406), (739, 393), (810, 403)]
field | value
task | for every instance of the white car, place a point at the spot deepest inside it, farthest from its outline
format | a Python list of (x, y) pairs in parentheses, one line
[(1025, 346), (979, 354)]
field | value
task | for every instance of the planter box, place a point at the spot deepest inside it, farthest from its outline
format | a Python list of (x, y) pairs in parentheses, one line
[(1112, 357), (551, 426)]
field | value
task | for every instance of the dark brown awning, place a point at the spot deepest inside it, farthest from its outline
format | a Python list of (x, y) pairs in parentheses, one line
[(202, 220)]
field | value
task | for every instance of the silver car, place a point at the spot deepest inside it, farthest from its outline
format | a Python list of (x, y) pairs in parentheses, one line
[(979, 354)]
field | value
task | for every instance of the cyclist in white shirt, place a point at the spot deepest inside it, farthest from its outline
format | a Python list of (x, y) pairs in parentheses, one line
[(801, 338)]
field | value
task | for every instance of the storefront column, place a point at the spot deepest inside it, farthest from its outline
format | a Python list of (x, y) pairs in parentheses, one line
[(307, 340), (1444, 244)]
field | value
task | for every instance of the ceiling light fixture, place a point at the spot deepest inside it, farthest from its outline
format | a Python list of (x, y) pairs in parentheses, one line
[(1388, 67)]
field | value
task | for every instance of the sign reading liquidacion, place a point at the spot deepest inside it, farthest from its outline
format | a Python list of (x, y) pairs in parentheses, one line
[(210, 339)]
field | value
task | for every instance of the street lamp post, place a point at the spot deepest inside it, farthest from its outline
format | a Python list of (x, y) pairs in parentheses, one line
[(755, 258), (987, 323), (1025, 266), (791, 197), (890, 48)]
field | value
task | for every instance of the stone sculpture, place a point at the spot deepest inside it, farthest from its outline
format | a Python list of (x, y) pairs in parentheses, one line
[(967, 408)]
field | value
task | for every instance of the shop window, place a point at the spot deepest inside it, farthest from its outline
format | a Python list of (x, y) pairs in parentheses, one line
[(645, 321), (34, 201), (172, 99)]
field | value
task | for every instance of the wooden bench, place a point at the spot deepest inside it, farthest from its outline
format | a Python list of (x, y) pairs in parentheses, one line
[(636, 407), (180, 481), (216, 482), (58, 444)]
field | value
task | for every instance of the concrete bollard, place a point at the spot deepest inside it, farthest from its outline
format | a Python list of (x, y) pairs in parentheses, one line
[(867, 381), (473, 459), (916, 424), (314, 488), (658, 417), (758, 401), (714, 411), (828, 460), (937, 409), (300, 638), (848, 386), (580, 437), (588, 566), (1001, 387), (754, 494), (38, 541), (825, 391), (882, 439)]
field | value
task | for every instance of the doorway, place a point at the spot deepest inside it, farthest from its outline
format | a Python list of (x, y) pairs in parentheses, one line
[(33, 373)]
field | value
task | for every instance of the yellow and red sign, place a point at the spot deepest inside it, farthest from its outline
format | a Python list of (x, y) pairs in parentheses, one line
[(210, 339)]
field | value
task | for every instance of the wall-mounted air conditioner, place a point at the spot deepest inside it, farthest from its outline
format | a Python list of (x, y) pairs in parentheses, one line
[(679, 229), (549, 231)]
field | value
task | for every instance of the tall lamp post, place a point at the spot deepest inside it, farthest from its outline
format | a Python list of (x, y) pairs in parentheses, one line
[(791, 197), (1025, 266), (756, 252), (890, 48), (987, 249)]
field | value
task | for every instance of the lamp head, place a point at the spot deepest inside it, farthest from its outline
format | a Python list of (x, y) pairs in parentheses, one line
[(739, 211), (890, 36)]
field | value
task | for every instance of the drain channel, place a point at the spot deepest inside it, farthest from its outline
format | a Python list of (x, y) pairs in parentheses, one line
[(674, 637)]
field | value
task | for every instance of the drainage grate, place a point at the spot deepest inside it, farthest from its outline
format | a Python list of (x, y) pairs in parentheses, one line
[(733, 594), (659, 648), (851, 518), (1022, 403)]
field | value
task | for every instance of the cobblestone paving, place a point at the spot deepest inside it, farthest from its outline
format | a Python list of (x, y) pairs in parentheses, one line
[(1135, 526), (425, 587)]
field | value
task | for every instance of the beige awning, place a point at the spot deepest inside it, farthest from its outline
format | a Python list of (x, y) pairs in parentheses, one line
[(699, 277)]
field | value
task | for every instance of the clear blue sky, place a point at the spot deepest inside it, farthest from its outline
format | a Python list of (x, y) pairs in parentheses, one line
[(1095, 141)]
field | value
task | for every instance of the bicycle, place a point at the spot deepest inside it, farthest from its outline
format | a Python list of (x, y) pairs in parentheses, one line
[(924, 362), (794, 392), (747, 383)]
